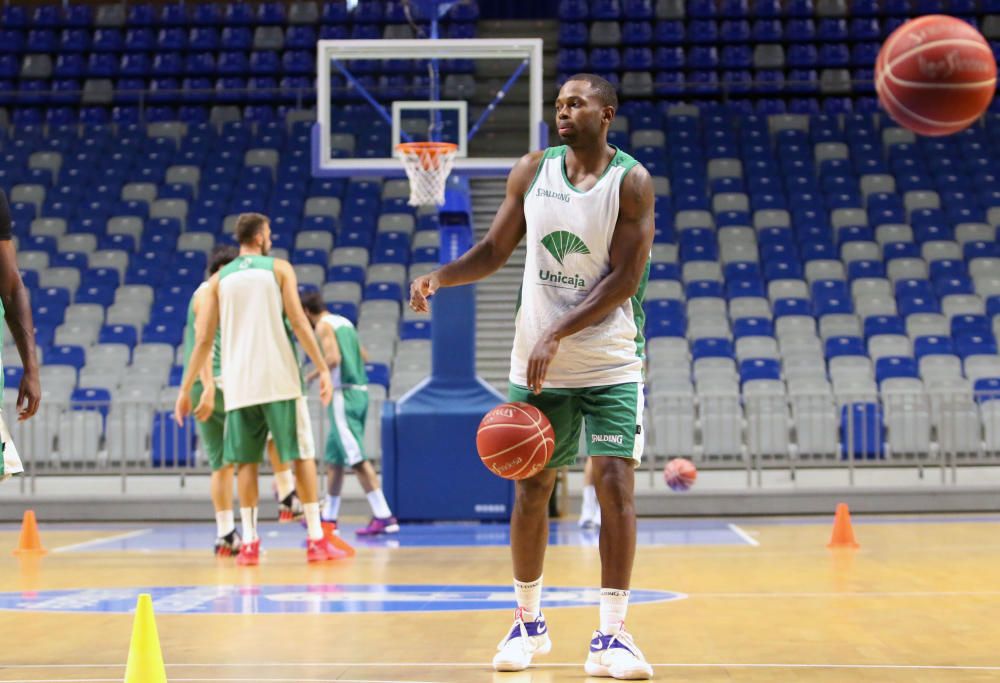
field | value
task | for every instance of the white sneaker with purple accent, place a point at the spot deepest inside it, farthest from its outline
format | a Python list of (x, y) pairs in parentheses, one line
[(616, 656), (524, 640)]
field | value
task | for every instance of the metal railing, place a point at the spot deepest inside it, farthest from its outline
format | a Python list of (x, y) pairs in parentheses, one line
[(123, 438), (925, 430)]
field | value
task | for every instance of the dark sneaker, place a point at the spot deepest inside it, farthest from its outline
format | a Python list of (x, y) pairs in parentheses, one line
[(228, 545), (290, 509)]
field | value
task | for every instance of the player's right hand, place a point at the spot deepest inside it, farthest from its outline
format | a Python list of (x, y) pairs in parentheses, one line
[(182, 408), (325, 388), (422, 288), (206, 406)]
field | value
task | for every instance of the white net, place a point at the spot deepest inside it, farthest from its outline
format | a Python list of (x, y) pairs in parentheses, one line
[(427, 166)]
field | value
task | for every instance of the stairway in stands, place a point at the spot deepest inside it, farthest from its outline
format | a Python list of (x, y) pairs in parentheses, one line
[(496, 296)]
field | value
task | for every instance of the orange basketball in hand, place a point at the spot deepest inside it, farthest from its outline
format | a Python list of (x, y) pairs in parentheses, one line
[(935, 75), (515, 440)]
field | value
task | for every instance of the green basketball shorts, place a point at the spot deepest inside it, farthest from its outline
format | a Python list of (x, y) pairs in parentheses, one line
[(211, 431), (611, 414), (287, 422), (345, 442)]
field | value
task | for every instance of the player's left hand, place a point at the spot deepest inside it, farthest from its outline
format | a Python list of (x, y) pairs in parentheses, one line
[(182, 408), (206, 406), (325, 388), (538, 364)]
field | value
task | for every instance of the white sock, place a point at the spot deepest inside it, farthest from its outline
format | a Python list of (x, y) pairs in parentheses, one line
[(589, 501), (248, 516), (313, 528), (529, 597), (331, 508), (286, 483), (380, 508), (614, 606), (224, 522)]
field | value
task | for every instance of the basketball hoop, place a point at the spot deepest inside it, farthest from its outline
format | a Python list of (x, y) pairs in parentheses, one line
[(427, 165)]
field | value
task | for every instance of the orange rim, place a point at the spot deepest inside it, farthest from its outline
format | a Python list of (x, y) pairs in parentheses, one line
[(427, 152)]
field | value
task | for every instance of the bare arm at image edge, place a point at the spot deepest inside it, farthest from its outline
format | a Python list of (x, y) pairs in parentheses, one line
[(17, 313)]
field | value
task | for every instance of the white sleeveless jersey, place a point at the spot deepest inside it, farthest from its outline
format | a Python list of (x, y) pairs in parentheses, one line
[(258, 357), (568, 252)]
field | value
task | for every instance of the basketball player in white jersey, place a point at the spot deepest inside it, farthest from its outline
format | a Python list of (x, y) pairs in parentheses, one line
[(586, 210), (250, 299)]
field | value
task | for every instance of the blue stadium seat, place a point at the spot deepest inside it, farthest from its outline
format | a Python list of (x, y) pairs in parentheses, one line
[(844, 346), (171, 446), (890, 367), (932, 345), (883, 324), (862, 433), (760, 368), (752, 327), (710, 347), (975, 344), (74, 356), (97, 399)]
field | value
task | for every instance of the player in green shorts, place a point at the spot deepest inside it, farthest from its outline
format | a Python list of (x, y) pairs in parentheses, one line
[(16, 310), (210, 411), (254, 301), (585, 212), (338, 339)]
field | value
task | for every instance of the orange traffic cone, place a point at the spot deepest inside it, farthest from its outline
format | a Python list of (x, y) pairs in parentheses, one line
[(843, 533), (29, 543)]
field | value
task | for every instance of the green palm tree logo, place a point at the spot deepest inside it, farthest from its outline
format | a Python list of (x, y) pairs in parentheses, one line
[(561, 243)]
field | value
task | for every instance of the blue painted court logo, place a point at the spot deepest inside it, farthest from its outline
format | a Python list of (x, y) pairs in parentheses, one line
[(303, 599)]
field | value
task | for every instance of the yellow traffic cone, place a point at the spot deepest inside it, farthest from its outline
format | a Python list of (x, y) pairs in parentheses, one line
[(145, 662)]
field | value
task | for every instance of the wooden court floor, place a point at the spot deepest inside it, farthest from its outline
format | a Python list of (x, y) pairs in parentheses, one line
[(919, 601)]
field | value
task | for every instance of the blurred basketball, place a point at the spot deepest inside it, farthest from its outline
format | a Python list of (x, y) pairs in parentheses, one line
[(935, 75), (680, 474), (515, 440)]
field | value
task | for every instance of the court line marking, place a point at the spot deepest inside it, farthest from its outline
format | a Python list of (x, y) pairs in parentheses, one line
[(102, 541), (857, 594), (456, 665), (210, 680), (750, 540)]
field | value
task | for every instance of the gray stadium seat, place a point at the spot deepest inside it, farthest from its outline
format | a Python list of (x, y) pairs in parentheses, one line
[(398, 32), (771, 218), (77, 334), (730, 201), (342, 291), (343, 142), (29, 194), (991, 27), (830, 150), (872, 183), (33, 260), (349, 256), (126, 225), (48, 227), (268, 38), (98, 91), (51, 161), (725, 168), (426, 238), (661, 186), (386, 272), (421, 269), (110, 16), (921, 199), (396, 222), (894, 135), (221, 114), (262, 157), (322, 206), (170, 208), (670, 9), (300, 115), (153, 355), (85, 314), (143, 192), (36, 66), (110, 258), (378, 310), (303, 13), (196, 241), (108, 356), (85, 243), (769, 56), (605, 33), (835, 81), (186, 175), (310, 275), (692, 218), (101, 377), (396, 189), (840, 218), (68, 278), (134, 293), (780, 122), (314, 239), (637, 84), (831, 8), (135, 313), (173, 130), (80, 436)]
